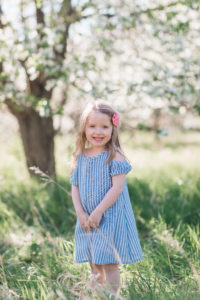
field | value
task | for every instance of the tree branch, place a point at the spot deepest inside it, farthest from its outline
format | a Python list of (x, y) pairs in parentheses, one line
[(157, 8), (39, 18), (23, 19), (39, 13)]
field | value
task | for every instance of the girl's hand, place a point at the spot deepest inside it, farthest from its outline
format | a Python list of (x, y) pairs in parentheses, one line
[(83, 220), (95, 218)]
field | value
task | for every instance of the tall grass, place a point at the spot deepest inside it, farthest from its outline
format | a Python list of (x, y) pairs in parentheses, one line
[(37, 224)]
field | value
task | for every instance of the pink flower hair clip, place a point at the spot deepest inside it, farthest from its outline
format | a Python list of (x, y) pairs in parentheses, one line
[(115, 119)]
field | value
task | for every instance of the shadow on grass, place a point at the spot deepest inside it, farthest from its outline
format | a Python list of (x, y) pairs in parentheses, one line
[(179, 203), (51, 206), (48, 206)]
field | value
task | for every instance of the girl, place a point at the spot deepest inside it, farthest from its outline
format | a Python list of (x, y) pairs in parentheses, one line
[(105, 233)]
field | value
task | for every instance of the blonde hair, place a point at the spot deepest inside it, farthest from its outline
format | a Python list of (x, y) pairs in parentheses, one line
[(113, 144)]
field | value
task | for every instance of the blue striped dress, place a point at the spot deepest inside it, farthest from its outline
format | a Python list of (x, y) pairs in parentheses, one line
[(116, 240)]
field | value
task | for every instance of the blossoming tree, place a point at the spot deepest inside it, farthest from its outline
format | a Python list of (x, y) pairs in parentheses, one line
[(144, 53), (32, 65)]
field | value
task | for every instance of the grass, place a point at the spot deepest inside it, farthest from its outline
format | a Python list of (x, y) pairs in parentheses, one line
[(37, 224)]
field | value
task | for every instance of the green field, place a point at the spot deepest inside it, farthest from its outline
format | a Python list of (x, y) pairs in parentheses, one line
[(37, 223)]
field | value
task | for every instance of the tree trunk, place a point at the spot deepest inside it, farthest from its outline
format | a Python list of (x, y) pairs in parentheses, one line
[(156, 118), (38, 139)]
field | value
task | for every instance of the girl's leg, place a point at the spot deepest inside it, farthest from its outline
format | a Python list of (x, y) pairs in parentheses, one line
[(112, 277), (98, 275)]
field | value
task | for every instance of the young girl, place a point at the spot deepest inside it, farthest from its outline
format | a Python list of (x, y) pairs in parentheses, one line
[(105, 233)]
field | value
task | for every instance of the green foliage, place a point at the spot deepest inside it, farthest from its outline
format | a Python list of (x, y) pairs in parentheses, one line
[(174, 109), (197, 107), (174, 202), (37, 223), (142, 126), (39, 3)]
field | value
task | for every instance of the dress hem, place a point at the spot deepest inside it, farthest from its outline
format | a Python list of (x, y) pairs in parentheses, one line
[(122, 263)]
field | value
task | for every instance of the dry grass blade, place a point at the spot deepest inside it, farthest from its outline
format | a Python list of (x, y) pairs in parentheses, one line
[(48, 179)]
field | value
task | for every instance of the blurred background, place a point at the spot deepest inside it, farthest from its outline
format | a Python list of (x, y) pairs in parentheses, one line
[(143, 58)]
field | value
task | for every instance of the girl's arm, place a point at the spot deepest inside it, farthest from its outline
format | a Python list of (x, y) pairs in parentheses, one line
[(111, 196), (77, 200), (113, 193), (81, 214)]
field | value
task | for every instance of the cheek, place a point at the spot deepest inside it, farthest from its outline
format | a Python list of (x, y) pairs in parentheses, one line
[(87, 131), (109, 133)]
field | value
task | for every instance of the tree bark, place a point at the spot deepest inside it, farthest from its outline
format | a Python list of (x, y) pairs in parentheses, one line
[(38, 139), (156, 118)]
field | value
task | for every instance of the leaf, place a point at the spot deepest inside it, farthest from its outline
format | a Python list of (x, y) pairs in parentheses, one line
[(170, 15), (174, 109), (38, 4), (197, 108)]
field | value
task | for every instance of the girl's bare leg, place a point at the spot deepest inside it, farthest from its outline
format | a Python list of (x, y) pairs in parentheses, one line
[(112, 278), (98, 274)]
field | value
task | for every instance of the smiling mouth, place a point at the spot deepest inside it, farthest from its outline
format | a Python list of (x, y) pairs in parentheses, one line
[(98, 139)]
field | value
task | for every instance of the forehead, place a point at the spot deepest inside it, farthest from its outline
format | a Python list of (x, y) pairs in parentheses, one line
[(98, 117)]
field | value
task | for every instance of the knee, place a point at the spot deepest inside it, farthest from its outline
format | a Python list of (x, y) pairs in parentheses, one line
[(109, 268), (97, 273), (96, 268)]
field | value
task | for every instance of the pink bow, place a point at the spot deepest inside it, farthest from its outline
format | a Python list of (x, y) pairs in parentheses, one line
[(115, 118)]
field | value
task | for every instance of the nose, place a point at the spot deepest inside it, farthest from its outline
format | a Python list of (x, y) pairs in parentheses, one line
[(99, 130)]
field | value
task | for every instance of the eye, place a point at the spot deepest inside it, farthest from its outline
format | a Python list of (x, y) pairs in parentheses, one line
[(92, 126), (105, 126)]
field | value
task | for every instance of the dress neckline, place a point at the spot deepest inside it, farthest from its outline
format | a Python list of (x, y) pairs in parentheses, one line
[(92, 157)]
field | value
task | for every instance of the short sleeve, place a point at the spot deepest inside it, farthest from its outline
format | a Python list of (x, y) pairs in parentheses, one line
[(120, 167), (74, 176)]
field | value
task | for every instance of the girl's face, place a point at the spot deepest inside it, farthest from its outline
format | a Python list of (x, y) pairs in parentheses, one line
[(98, 130)]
